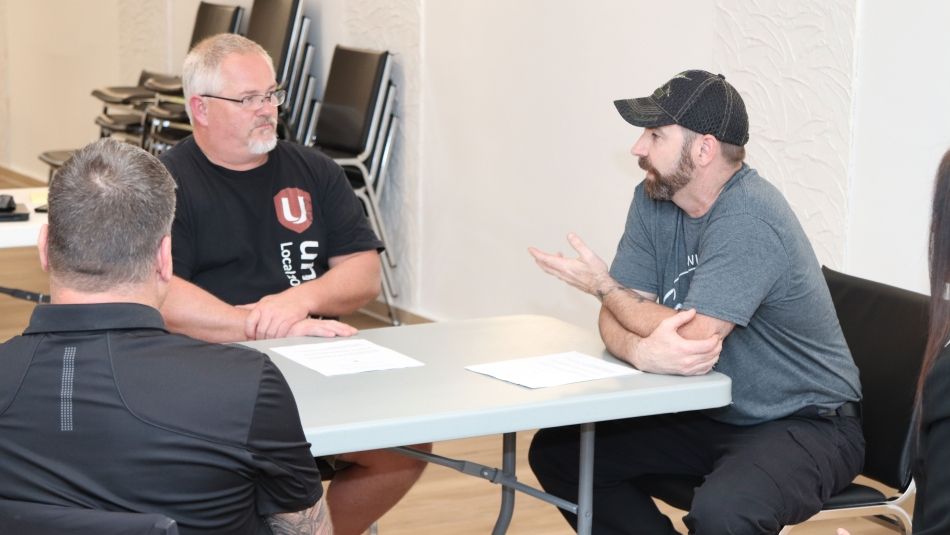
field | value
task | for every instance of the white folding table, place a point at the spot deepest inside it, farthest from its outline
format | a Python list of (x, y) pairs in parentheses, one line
[(22, 233), (443, 401)]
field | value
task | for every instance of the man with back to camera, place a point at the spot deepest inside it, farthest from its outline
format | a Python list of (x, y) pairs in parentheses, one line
[(102, 408), (713, 270), (268, 235)]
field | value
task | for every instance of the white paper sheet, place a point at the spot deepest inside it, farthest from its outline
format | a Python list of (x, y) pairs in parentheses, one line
[(346, 356), (552, 370)]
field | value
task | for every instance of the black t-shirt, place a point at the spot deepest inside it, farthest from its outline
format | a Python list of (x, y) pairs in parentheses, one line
[(241, 235), (101, 408)]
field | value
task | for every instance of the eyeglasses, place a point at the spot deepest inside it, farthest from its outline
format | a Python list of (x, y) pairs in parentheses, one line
[(255, 102)]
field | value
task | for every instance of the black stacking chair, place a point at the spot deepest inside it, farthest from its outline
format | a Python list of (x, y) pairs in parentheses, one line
[(275, 25), (40, 519), (886, 330), (355, 125), (211, 19), (166, 121)]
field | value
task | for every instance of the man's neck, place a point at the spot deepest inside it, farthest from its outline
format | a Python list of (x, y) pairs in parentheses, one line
[(60, 295), (703, 190)]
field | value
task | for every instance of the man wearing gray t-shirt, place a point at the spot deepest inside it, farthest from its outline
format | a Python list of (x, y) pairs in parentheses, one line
[(713, 271)]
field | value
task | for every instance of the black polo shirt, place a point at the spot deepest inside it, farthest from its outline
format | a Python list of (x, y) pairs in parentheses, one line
[(100, 407)]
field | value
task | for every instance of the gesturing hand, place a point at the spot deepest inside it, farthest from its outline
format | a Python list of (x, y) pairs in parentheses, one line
[(665, 351), (588, 273)]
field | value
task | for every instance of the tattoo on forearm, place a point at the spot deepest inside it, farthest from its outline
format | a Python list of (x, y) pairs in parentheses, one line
[(636, 295), (313, 521), (601, 294)]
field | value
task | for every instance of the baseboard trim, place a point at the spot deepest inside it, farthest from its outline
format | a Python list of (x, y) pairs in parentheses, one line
[(12, 179), (377, 310)]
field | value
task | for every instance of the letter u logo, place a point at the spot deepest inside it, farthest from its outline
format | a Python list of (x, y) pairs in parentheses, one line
[(289, 216), (294, 209)]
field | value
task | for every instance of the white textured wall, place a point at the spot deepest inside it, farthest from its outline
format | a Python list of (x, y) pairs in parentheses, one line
[(793, 63), (4, 85), (57, 52), (902, 128), (522, 143)]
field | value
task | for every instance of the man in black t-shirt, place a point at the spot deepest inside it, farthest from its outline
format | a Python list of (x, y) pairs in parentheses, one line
[(101, 408), (268, 235)]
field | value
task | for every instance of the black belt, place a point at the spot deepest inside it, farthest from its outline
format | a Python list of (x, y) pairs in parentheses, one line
[(851, 409)]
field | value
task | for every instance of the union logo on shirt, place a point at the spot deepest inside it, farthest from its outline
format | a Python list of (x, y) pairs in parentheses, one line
[(294, 209)]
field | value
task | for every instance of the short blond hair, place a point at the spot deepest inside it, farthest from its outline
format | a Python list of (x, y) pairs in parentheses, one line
[(201, 71)]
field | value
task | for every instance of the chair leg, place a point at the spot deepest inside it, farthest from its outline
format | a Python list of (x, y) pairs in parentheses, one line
[(387, 291), (388, 285), (375, 222), (376, 214)]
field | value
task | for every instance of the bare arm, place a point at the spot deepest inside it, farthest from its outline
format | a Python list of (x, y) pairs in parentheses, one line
[(351, 282), (669, 349), (635, 328), (192, 311), (313, 521), (639, 313)]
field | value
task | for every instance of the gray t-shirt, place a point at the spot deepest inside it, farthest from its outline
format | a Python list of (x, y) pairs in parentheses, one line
[(746, 261)]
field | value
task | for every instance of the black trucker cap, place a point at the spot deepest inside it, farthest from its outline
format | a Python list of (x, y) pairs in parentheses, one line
[(698, 100)]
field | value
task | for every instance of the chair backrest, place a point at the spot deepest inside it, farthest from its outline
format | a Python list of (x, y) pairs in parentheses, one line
[(353, 100), (41, 519), (886, 330), (274, 25), (213, 19)]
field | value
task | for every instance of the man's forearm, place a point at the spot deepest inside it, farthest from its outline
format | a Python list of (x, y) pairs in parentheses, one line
[(194, 312), (634, 311), (620, 342)]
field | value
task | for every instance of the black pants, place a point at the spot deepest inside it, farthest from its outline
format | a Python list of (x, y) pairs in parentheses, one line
[(757, 478)]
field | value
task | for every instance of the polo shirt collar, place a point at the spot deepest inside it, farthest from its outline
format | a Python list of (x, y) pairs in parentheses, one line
[(93, 317)]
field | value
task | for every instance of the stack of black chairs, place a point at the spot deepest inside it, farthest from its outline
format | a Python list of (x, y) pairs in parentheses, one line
[(355, 125)]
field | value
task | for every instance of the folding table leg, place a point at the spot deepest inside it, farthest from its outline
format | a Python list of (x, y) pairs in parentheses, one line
[(508, 459), (585, 494)]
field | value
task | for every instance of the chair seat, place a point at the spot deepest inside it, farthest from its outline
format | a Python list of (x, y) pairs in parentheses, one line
[(169, 136), (168, 111), (855, 495), (164, 84), (337, 154), (56, 158), (355, 177), (121, 122), (123, 94), (678, 492)]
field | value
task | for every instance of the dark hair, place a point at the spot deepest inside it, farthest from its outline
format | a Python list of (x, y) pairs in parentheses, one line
[(109, 207), (939, 263), (733, 154)]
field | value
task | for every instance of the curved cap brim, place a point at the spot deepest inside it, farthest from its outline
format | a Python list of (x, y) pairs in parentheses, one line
[(643, 112)]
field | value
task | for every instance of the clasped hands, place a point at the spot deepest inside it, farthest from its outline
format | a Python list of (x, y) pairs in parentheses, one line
[(282, 314), (664, 349)]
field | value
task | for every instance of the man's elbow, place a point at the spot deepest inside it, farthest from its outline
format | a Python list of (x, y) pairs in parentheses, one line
[(364, 289), (702, 327)]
